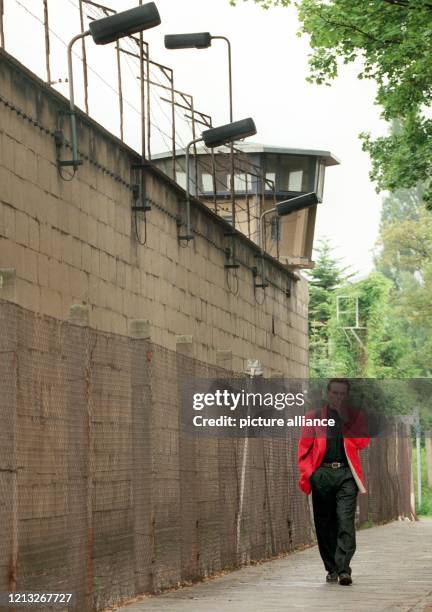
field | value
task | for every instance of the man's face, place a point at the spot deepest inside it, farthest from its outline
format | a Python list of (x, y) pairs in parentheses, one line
[(337, 395)]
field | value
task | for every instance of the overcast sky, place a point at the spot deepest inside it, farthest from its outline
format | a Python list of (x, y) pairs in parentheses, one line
[(269, 70)]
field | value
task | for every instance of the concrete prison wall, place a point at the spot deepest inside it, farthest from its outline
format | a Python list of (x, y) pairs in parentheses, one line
[(66, 242)]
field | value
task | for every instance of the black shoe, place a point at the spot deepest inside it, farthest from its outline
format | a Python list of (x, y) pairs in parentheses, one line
[(332, 577), (345, 579)]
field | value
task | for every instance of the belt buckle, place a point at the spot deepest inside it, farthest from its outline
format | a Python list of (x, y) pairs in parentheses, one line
[(335, 464)]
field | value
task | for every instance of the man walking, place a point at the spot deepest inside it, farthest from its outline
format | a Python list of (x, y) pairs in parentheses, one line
[(330, 467)]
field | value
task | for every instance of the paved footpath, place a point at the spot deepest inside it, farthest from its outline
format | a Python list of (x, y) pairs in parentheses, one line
[(392, 571)]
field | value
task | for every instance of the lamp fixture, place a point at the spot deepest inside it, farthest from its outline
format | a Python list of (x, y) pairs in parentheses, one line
[(215, 137), (203, 40), (198, 40), (103, 31), (286, 207), (306, 200)]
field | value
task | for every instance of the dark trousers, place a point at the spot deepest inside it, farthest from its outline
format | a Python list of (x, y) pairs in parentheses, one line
[(334, 498)]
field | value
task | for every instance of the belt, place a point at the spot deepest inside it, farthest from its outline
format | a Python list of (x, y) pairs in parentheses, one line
[(334, 465)]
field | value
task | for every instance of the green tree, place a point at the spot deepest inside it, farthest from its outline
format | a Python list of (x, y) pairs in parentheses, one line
[(393, 40), (356, 332), (375, 348), (324, 279), (406, 258)]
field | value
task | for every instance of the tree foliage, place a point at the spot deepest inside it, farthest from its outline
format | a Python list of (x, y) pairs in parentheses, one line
[(327, 275), (324, 278), (378, 335), (376, 348), (362, 337), (393, 41), (405, 257)]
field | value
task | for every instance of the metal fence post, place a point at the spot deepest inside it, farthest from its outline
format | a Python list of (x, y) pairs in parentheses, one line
[(80, 523), (8, 447), (141, 402)]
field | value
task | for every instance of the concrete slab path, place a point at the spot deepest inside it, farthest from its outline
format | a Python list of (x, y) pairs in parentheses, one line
[(392, 572)]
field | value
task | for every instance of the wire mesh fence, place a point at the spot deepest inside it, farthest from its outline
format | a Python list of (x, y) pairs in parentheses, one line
[(103, 496)]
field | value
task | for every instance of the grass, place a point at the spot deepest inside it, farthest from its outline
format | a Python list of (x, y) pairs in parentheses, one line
[(366, 525), (425, 509)]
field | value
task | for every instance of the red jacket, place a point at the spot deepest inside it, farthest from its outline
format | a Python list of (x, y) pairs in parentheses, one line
[(313, 443)]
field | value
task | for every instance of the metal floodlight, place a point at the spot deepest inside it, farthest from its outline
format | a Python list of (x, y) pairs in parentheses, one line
[(298, 203), (110, 29), (286, 207), (215, 137), (104, 31), (203, 40), (198, 40)]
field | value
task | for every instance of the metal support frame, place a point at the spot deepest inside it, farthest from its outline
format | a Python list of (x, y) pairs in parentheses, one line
[(75, 162), (186, 101), (143, 56), (84, 57), (47, 42), (188, 105), (120, 86), (188, 236), (231, 117), (339, 311), (261, 244), (145, 75), (231, 263), (245, 166), (2, 37), (106, 11), (143, 120), (350, 329), (147, 92), (417, 427)]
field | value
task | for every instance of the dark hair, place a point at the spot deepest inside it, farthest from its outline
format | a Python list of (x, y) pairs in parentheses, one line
[(342, 381)]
